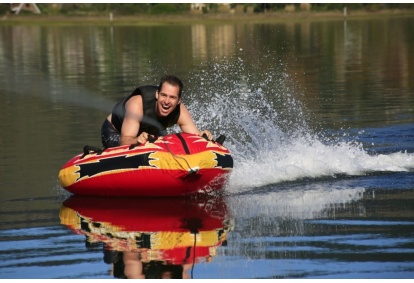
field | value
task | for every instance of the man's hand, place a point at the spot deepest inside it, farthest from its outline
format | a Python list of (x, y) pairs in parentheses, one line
[(207, 133), (142, 138)]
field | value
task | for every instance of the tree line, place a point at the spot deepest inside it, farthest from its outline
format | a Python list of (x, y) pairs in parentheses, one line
[(89, 9)]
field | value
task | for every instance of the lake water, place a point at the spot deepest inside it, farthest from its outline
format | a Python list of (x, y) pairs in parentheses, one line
[(318, 115)]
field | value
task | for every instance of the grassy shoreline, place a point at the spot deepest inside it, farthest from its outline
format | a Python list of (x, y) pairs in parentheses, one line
[(196, 19)]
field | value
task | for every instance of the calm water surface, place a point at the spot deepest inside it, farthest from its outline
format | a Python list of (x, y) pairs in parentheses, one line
[(319, 117)]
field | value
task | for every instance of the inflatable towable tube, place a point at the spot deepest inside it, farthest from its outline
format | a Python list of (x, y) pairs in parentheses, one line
[(173, 165)]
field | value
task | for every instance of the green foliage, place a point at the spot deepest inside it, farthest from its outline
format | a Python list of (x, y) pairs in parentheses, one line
[(4, 9), (88, 9), (128, 8), (164, 8), (212, 8)]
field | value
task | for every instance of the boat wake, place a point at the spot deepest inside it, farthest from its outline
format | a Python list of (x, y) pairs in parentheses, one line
[(311, 159), (267, 131)]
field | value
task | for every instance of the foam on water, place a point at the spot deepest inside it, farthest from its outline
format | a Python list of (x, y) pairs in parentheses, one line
[(266, 129), (304, 158)]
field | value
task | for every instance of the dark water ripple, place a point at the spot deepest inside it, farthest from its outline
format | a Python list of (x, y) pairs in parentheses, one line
[(46, 252)]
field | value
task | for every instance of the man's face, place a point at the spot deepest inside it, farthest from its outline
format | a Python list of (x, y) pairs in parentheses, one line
[(167, 99)]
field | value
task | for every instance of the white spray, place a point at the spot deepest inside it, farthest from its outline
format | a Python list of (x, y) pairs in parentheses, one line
[(267, 133)]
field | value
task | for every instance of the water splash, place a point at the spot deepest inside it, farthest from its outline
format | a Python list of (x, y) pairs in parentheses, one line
[(267, 130)]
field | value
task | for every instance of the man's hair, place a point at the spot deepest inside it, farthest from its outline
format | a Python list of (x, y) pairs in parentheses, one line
[(172, 80)]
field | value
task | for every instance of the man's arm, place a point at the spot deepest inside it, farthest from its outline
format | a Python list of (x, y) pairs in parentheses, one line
[(187, 125), (132, 120)]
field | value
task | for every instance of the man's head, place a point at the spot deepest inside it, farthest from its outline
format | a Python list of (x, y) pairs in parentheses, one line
[(168, 95), (172, 80)]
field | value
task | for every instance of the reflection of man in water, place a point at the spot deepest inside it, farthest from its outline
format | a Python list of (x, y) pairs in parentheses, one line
[(132, 265)]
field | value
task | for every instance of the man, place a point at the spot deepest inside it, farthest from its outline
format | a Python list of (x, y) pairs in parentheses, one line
[(148, 111)]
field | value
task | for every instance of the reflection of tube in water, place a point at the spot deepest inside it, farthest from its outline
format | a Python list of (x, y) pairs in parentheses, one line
[(172, 231)]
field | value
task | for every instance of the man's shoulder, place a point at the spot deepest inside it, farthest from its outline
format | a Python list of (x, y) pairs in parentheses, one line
[(147, 88), (134, 100)]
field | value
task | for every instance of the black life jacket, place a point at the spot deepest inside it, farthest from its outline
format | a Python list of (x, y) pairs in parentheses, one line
[(150, 122)]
